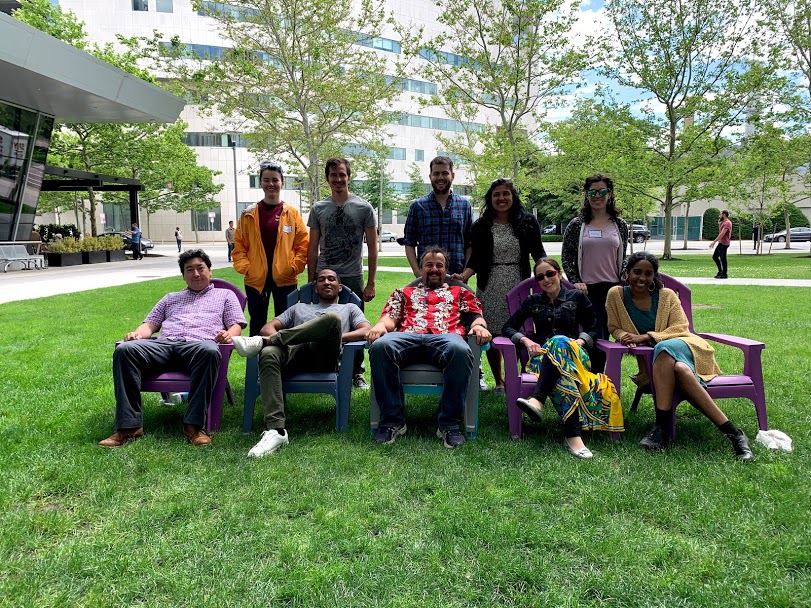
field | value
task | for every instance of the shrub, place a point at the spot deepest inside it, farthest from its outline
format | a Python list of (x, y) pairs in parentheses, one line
[(66, 245), (49, 231), (110, 242), (710, 228)]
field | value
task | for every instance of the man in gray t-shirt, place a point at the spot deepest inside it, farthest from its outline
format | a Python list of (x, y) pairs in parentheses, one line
[(304, 338), (337, 227)]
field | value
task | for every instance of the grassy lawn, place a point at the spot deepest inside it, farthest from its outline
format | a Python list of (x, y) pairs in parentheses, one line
[(795, 265), (333, 520)]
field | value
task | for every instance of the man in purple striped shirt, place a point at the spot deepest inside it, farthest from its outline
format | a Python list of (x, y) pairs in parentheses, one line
[(192, 323)]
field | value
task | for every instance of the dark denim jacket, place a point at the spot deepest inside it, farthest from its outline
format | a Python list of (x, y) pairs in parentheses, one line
[(570, 315)]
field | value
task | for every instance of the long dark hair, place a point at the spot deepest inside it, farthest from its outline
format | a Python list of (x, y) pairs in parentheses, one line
[(610, 206), (637, 257), (516, 212)]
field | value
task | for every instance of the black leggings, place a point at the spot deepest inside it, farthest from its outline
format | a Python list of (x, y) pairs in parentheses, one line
[(546, 384), (720, 258)]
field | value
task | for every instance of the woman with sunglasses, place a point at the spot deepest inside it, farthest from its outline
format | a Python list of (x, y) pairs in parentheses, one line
[(644, 312), (593, 249), (502, 241), (564, 335), (270, 248)]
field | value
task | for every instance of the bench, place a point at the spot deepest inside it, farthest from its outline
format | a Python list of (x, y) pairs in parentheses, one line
[(18, 253)]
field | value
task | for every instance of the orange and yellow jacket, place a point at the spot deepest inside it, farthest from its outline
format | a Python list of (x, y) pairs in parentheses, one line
[(289, 257)]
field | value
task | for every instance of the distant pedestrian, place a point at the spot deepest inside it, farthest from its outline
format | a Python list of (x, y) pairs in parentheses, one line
[(723, 240), (229, 238), (135, 240), (178, 237)]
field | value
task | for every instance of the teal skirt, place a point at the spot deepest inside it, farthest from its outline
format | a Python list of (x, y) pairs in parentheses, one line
[(678, 349)]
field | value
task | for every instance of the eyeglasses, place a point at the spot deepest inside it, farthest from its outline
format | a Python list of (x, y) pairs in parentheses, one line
[(548, 274), (601, 192)]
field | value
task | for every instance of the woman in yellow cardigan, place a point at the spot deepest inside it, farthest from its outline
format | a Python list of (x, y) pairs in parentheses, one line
[(646, 313)]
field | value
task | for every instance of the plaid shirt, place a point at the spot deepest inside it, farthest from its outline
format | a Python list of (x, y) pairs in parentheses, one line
[(428, 224), (418, 310), (196, 315)]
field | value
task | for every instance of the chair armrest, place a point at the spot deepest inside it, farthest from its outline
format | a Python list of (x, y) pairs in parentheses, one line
[(348, 352), (509, 353), (736, 341), (613, 360), (751, 349)]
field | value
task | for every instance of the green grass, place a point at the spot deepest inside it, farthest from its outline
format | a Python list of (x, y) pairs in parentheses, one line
[(333, 520), (796, 265)]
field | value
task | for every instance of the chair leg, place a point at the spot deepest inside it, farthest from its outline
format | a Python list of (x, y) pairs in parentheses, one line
[(640, 390), (251, 392), (229, 393)]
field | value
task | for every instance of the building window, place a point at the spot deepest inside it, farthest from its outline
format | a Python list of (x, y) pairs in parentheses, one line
[(254, 181), (457, 160), (140, 5), (201, 220), (397, 153), (164, 6), (419, 155)]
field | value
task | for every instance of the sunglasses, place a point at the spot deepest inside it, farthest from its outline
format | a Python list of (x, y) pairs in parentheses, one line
[(601, 192), (548, 274), (270, 165)]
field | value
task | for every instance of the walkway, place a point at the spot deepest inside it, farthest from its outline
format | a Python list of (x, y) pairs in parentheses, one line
[(18, 285)]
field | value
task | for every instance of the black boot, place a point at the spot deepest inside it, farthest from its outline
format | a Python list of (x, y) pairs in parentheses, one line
[(656, 440), (740, 445)]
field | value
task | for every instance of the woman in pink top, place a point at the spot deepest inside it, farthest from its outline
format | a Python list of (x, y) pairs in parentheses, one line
[(593, 250), (724, 234)]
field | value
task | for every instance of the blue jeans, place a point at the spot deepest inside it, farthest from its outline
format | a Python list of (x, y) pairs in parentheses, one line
[(395, 350), (230, 249)]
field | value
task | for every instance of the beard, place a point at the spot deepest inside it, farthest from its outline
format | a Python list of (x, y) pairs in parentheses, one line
[(433, 281)]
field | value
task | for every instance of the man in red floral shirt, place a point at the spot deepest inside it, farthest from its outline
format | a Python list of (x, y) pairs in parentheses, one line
[(426, 324)]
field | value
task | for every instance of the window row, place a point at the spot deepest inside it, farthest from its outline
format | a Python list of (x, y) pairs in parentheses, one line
[(161, 6), (214, 140), (432, 122)]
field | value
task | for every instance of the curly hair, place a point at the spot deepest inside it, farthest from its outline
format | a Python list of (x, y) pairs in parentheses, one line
[(610, 206), (515, 213), (637, 257)]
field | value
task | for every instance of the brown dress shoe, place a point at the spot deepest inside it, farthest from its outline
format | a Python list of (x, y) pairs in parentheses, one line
[(122, 436), (196, 435)]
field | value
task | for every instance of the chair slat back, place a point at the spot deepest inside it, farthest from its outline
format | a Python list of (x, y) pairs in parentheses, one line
[(685, 296), (306, 294), (223, 284)]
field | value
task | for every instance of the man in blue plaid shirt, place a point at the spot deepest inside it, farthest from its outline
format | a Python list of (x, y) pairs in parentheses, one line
[(441, 218)]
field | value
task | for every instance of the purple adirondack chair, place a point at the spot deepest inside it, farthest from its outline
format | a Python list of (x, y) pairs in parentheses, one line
[(518, 383), (178, 382), (747, 385)]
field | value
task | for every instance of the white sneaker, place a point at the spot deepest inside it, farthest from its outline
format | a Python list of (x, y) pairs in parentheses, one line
[(483, 385), (248, 347), (268, 443)]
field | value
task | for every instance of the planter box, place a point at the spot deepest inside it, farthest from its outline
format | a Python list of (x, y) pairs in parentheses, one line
[(64, 259), (94, 257), (116, 256)]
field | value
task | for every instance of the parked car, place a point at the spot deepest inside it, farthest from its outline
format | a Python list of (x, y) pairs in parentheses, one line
[(639, 233), (387, 236), (797, 234), (146, 244), (551, 229)]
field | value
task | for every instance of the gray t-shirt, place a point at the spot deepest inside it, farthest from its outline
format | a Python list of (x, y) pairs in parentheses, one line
[(351, 315), (340, 246)]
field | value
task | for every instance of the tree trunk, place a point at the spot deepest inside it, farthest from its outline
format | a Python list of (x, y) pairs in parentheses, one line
[(668, 208), (787, 221)]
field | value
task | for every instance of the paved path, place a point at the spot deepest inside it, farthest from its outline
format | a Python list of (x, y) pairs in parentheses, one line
[(18, 285)]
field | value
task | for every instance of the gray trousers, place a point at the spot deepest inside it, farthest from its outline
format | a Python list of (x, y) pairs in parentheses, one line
[(136, 358), (314, 346), (356, 285)]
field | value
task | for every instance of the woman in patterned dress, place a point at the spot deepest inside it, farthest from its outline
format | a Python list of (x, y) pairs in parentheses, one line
[(502, 241)]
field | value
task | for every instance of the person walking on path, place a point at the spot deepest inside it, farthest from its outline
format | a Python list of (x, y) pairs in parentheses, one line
[(723, 240), (229, 237), (135, 241), (178, 238)]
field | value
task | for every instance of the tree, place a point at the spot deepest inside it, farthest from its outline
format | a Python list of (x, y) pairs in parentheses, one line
[(601, 137), (690, 57), (790, 23), (511, 57), (765, 170), (377, 181), (155, 154), (296, 81), (417, 188)]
